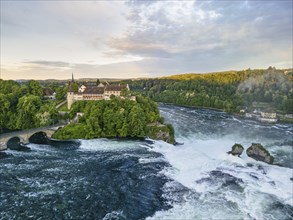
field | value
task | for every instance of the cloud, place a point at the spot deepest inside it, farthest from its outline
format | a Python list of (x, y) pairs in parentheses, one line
[(138, 38), (72, 31), (164, 28), (49, 63), (198, 30), (42, 69)]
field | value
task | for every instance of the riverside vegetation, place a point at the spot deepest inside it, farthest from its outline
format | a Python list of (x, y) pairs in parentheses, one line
[(229, 91), (117, 118), (24, 107)]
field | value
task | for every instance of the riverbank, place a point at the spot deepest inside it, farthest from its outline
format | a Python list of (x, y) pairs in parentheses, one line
[(195, 107), (281, 118)]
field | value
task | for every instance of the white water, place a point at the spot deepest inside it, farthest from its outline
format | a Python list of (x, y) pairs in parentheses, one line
[(261, 191), (194, 193), (104, 144), (194, 160), (205, 182)]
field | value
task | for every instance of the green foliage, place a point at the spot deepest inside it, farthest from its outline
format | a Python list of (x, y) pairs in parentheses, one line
[(27, 108), (72, 131), (161, 132), (8, 86), (4, 110), (35, 88), (74, 86), (115, 118), (125, 92), (61, 92), (229, 91), (273, 88), (21, 106)]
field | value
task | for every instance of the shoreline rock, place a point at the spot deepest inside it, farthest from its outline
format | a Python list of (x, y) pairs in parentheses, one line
[(19, 147), (259, 153), (237, 150)]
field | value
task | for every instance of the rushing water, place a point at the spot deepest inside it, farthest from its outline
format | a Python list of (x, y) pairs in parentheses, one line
[(110, 179)]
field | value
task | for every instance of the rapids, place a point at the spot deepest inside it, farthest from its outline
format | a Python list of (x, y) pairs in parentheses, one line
[(112, 179)]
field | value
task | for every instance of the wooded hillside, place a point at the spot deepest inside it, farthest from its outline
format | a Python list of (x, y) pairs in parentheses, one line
[(230, 90)]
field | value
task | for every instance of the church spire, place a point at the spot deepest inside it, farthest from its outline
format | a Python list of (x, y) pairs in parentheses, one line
[(72, 80)]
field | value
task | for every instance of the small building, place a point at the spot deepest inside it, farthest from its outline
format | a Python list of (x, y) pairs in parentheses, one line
[(289, 116), (114, 90), (49, 93), (268, 116)]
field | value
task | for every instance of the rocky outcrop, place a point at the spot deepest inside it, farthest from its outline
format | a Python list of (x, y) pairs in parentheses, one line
[(258, 152), (3, 155), (237, 150), (163, 132), (19, 147)]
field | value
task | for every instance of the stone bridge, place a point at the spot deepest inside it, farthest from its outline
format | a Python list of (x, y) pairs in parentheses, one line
[(24, 135)]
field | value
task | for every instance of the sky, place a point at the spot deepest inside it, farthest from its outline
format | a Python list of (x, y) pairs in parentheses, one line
[(133, 39)]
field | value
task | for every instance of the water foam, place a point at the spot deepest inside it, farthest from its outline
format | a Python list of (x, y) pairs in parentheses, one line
[(104, 144), (259, 185)]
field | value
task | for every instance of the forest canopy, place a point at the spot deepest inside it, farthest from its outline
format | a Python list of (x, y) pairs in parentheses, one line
[(229, 91), (117, 118), (23, 106)]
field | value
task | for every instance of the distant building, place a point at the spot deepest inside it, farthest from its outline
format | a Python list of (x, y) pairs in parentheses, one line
[(289, 116), (268, 116), (89, 91), (49, 93)]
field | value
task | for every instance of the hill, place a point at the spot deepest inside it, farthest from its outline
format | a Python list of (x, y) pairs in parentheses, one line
[(229, 90)]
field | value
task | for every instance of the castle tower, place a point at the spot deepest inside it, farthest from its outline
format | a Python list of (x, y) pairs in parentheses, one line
[(70, 93)]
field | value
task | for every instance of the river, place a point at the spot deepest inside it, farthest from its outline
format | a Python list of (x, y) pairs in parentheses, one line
[(112, 179)]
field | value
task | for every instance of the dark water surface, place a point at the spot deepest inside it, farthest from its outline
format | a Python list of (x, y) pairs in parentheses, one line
[(82, 184)]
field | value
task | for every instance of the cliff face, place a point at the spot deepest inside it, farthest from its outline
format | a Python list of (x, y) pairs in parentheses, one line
[(159, 131), (258, 152)]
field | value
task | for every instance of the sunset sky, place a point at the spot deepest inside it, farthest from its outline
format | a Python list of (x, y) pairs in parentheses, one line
[(126, 39)]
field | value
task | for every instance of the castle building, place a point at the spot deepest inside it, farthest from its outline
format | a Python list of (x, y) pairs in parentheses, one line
[(88, 91)]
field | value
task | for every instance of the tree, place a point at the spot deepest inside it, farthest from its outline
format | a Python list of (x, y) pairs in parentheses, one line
[(46, 114), (75, 87), (136, 122), (61, 93), (4, 110), (116, 118), (35, 88), (125, 92), (27, 108), (44, 118), (109, 123)]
